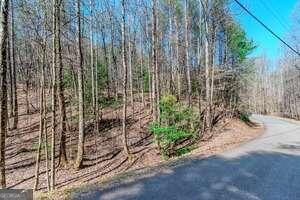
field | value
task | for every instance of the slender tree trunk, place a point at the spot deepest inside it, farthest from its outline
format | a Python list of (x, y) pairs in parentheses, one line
[(96, 102), (149, 69), (130, 66), (207, 70), (157, 70), (27, 92), (3, 95), (41, 127), (141, 82), (106, 61), (171, 86), (80, 92), (212, 73), (44, 117), (10, 84), (155, 73), (92, 59), (54, 89), (94, 76), (154, 61), (43, 106), (177, 61), (124, 85), (61, 97), (114, 58), (187, 54), (199, 56), (14, 74), (142, 71)]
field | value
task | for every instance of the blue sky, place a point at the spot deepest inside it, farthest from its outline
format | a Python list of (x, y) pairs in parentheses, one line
[(276, 14)]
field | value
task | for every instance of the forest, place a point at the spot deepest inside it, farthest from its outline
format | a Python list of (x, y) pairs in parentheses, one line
[(89, 85), (274, 85)]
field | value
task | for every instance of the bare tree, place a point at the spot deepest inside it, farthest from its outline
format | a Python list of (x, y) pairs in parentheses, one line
[(80, 92), (54, 90), (3, 111), (61, 97), (186, 39), (13, 67), (124, 84), (154, 70)]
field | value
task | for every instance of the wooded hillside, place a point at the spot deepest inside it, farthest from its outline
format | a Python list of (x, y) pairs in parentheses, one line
[(89, 74)]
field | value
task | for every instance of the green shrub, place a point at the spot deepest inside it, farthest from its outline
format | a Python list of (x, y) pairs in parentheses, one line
[(245, 117), (177, 123), (185, 150)]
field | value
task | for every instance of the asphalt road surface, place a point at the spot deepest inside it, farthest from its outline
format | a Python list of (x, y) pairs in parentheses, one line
[(266, 168)]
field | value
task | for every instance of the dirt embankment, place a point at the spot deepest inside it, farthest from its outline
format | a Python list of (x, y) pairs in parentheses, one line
[(104, 157), (227, 135)]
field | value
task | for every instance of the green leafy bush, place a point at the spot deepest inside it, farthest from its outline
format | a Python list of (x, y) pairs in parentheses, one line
[(177, 123), (245, 117)]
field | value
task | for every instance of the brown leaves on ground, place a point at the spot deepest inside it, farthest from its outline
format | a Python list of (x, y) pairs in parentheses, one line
[(104, 155)]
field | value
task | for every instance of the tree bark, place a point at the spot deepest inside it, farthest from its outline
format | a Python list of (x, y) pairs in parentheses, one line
[(177, 61), (154, 61), (130, 67), (124, 84), (187, 53), (3, 95), (207, 69), (61, 97), (13, 67), (53, 89), (41, 127), (80, 148)]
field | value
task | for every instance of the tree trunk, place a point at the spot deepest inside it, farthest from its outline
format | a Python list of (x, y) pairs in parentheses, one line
[(141, 82), (149, 69), (61, 97), (172, 81), (42, 119), (207, 70), (106, 61), (187, 54), (177, 61), (142, 71), (92, 60), (54, 89), (130, 66), (154, 61), (10, 84), (13, 67), (27, 92), (96, 103), (124, 85), (80, 92), (3, 95), (114, 58)]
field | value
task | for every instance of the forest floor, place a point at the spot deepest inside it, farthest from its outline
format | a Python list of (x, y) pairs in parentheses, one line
[(103, 157)]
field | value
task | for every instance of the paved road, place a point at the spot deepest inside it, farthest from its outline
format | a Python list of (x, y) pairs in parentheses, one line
[(266, 168)]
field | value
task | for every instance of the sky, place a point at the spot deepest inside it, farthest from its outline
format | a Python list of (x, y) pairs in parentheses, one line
[(276, 14)]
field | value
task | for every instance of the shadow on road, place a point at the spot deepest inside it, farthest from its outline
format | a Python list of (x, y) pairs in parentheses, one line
[(257, 175)]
